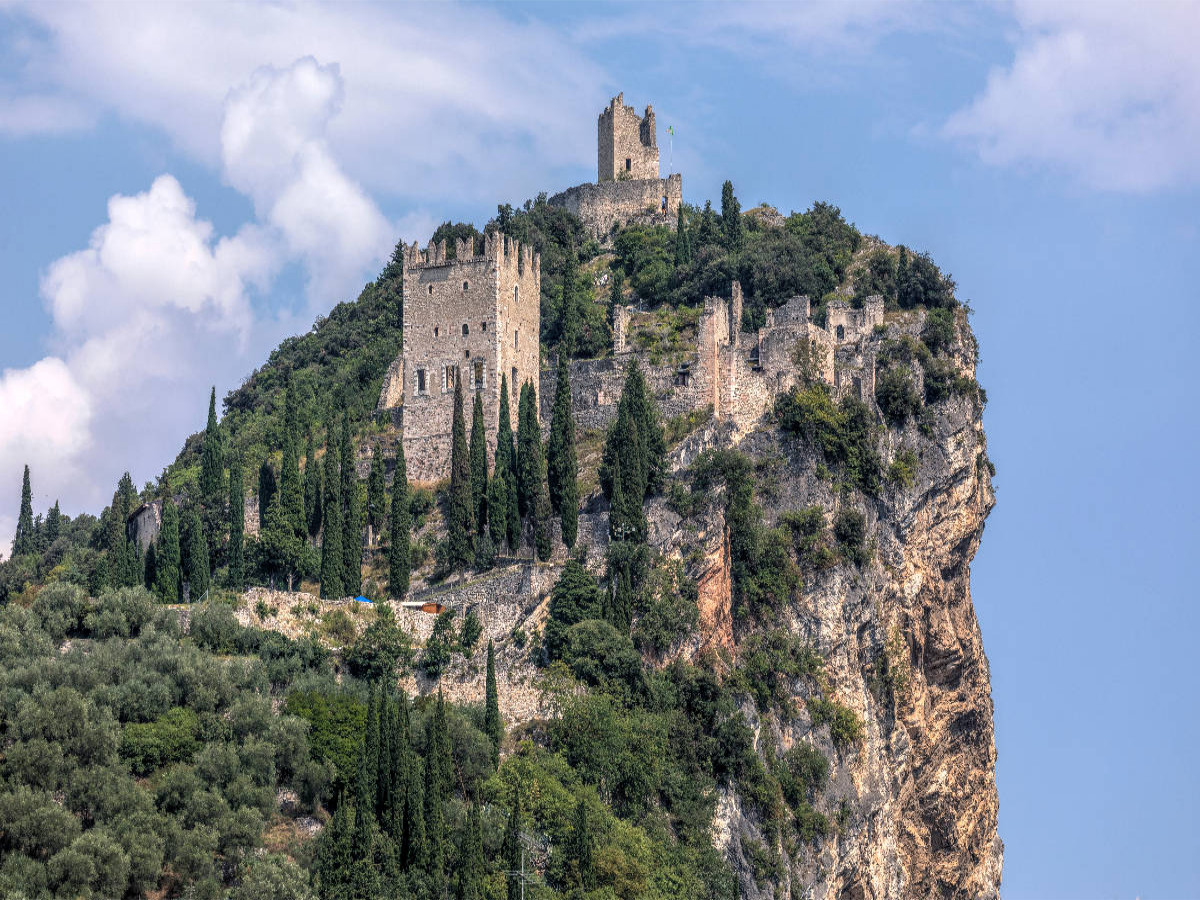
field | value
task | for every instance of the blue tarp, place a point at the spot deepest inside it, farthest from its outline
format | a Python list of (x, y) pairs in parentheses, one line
[(361, 599)]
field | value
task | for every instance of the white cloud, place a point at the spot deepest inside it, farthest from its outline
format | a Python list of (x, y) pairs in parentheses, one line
[(158, 307), (1106, 92), (441, 100)]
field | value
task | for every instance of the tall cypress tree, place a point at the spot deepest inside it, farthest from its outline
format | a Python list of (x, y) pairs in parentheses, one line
[(569, 321), (731, 217), (461, 520), (493, 726), (237, 524), (290, 488), (479, 467), (413, 845), (562, 467), (645, 413), (399, 531), (53, 523), (581, 849), (376, 494), (498, 507), (195, 555), (267, 488), (708, 232), (167, 574), (471, 865), (212, 458), (435, 825), (530, 463), (335, 854), (312, 490), (504, 506), (368, 769), (643, 455), (683, 246), (352, 522), (23, 541), (332, 558), (383, 758)]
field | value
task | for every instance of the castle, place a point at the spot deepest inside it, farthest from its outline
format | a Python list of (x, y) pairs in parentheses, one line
[(628, 189), (475, 316), (470, 318)]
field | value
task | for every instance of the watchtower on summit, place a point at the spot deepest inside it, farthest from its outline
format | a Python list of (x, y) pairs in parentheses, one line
[(627, 145)]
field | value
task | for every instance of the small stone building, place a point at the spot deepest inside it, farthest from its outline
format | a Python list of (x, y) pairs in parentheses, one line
[(628, 189), (470, 318)]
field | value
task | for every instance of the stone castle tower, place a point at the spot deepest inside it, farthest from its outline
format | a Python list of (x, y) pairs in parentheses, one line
[(627, 145), (472, 317), (627, 189)]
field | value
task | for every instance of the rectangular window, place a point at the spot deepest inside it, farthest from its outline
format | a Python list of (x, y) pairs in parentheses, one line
[(513, 383), (420, 381), (514, 340), (477, 381), (448, 379)]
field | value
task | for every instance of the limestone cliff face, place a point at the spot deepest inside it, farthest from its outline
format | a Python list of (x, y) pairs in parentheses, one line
[(920, 811)]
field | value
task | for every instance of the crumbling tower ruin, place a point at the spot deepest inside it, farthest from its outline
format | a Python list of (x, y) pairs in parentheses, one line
[(471, 317), (627, 145), (628, 189)]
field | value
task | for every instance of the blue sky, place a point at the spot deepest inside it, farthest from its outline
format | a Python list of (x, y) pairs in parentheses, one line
[(184, 185)]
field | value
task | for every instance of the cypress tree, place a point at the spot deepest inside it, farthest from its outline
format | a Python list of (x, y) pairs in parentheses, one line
[(461, 521), (399, 531), (335, 854), (498, 507), (683, 247), (332, 560), (23, 541), (708, 225), (493, 726), (562, 467), (645, 413), (267, 488), (479, 467), (625, 472), (471, 866), (508, 516), (616, 294), (53, 523), (383, 758), (237, 524), (413, 845), (438, 746), (151, 568), (352, 522), (312, 490), (512, 845), (167, 574), (541, 524), (376, 493), (364, 784), (195, 556), (212, 457), (731, 217), (530, 465), (435, 823), (581, 848), (290, 488)]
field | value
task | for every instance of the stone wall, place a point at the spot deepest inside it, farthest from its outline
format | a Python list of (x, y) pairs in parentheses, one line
[(601, 207), (596, 389), (627, 146), (472, 318)]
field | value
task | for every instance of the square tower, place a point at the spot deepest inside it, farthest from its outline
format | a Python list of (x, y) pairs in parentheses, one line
[(473, 318), (628, 147)]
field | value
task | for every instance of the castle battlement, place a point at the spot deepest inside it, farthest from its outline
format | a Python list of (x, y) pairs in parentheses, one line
[(497, 248)]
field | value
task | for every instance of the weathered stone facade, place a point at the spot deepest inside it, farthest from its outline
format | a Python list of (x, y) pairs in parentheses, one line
[(628, 189), (474, 317), (627, 146)]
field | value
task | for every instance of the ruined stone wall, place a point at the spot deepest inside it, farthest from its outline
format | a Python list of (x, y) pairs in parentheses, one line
[(627, 146), (845, 323), (600, 207), (474, 318), (596, 389)]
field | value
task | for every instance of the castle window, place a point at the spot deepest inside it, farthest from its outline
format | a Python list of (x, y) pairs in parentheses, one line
[(431, 290), (465, 286), (483, 326), (466, 354), (436, 331), (664, 204), (514, 340), (516, 293), (841, 333), (421, 389), (466, 330), (512, 385), (628, 164), (477, 383), (447, 379)]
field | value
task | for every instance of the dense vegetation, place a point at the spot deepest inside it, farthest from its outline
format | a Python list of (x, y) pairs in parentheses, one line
[(144, 750)]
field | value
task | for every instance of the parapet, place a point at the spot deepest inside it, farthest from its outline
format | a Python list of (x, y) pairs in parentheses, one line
[(497, 248)]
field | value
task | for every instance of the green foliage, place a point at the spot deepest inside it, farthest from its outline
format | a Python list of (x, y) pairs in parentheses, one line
[(352, 512), (903, 470), (377, 491), (845, 727), (171, 738), (382, 647), (770, 663), (504, 521), (877, 277), (167, 569), (850, 530), (333, 583), (439, 646), (938, 331), (921, 283), (237, 525), (897, 396), (493, 725), (574, 598), (460, 515), (562, 466), (843, 432), (212, 459), (732, 227), (479, 467)]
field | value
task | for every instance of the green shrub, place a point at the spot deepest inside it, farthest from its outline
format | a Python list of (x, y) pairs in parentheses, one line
[(850, 530), (845, 727), (171, 738), (382, 647), (897, 396), (938, 331), (439, 646), (903, 470), (469, 632), (842, 432)]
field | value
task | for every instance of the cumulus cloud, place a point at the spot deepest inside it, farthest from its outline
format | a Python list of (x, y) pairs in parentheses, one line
[(158, 306), (1106, 92), (444, 100)]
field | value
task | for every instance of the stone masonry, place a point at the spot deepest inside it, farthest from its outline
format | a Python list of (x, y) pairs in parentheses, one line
[(472, 317), (628, 188)]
